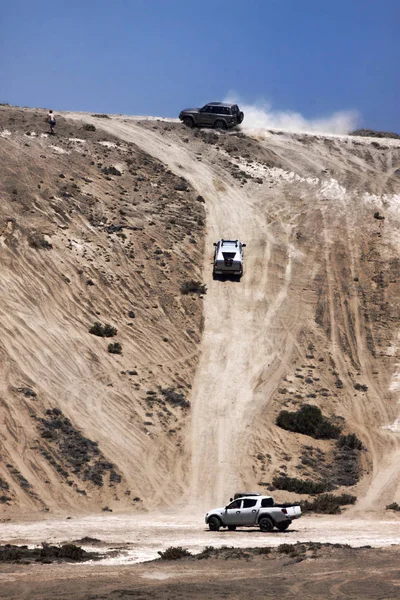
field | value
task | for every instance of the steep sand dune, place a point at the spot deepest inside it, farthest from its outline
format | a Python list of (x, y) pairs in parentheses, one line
[(321, 273), (315, 314)]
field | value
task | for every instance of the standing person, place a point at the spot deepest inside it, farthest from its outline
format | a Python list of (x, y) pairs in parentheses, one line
[(52, 121)]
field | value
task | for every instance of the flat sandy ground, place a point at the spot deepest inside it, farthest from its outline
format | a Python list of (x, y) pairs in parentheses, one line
[(333, 573), (360, 571), (141, 536)]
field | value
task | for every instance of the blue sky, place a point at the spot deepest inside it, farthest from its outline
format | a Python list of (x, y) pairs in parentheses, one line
[(155, 57)]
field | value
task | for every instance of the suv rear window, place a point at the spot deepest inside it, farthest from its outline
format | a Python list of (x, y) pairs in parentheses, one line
[(221, 110)]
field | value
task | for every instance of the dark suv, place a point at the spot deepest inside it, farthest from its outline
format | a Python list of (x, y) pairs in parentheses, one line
[(214, 114)]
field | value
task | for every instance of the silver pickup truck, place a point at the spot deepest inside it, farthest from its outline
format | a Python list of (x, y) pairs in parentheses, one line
[(251, 511), (228, 258)]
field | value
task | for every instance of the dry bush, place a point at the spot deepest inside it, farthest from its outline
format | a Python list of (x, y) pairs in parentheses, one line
[(103, 330), (115, 348), (193, 287), (37, 240), (393, 506), (174, 553)]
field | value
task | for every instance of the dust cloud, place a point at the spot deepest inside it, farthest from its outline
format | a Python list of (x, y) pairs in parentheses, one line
[(260, 116)]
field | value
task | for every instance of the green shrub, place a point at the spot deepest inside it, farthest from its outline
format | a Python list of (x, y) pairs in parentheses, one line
[(115, 348), (308, 420), (300, 486), (174, 553), (393, 506), (327, 503)]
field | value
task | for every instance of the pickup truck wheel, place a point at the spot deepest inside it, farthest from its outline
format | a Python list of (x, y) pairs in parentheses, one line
[(266, 524), (283, 526), (231, 527), (214, 524), (188, 121), (219, 124)]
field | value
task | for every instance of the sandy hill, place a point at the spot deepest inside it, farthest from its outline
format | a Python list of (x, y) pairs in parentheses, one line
[(123, 384)]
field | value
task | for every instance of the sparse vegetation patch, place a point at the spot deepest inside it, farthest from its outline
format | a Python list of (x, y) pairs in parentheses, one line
[(300, 486), (350, 442), (46, 554), (75, 452), (3, 484), (308, 420), (175, 398), (327, 503), (17, 475), (374, 133)]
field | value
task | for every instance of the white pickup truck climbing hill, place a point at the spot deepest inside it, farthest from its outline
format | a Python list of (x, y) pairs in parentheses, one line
[(253, 511)]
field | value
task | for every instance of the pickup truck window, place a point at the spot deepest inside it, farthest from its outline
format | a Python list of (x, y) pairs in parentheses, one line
[(234, 504), (266, 502), (248, 503)]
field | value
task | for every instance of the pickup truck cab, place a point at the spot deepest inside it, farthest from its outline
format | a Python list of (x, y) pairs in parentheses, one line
[(253, 511)]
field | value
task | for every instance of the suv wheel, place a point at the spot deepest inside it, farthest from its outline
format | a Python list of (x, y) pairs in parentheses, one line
[(214, 524), (241, 117), (219, 124), (188, 121), (266, 524)]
